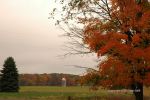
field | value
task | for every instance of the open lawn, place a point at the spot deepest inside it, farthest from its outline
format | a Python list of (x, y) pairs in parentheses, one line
[(67, 93)]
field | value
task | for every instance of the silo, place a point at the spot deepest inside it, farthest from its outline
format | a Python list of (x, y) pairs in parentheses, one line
[(63, 82)]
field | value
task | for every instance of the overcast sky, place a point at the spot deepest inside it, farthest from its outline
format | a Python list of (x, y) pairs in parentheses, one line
[(33, 40)]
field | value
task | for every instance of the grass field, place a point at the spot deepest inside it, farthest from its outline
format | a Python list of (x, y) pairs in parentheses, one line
[(67, 93)]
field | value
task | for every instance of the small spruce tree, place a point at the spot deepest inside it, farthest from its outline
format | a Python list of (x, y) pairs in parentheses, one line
[(9, 76)]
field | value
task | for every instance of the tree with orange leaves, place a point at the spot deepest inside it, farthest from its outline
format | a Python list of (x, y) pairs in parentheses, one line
[(120, 31)]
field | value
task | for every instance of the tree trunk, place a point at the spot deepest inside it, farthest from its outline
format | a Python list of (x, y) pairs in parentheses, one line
[(138, 91)]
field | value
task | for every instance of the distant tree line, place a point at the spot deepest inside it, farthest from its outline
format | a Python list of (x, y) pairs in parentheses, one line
[(54, 79), (10, 79)]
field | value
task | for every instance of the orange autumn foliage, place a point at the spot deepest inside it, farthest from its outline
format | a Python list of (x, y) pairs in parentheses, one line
[(118, 30), (125, 40)]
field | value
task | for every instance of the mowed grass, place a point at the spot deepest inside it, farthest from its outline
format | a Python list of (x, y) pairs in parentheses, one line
[(67, 93)]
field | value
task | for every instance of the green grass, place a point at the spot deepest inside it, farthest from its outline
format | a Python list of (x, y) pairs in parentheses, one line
[(63, 93)]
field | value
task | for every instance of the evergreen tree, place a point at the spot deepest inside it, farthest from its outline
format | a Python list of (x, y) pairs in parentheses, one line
[(9, 78)]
